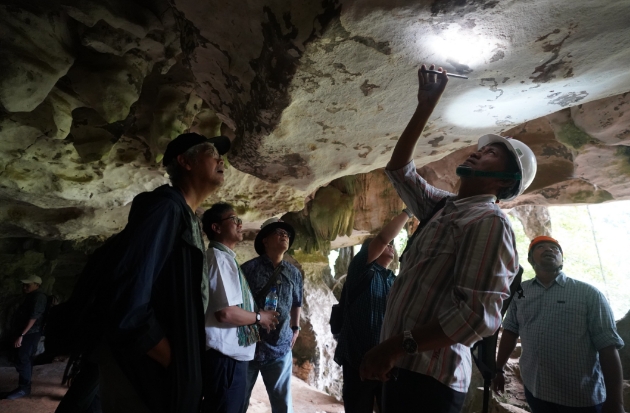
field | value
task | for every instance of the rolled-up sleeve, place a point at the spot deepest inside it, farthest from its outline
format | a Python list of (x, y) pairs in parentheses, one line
[(486, 264), (601, 323), (419, 196)]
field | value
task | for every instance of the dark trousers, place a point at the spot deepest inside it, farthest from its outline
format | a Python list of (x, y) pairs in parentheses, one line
[(541, 406), (413, 392), (24, 360), (224, 383), (358, 396)]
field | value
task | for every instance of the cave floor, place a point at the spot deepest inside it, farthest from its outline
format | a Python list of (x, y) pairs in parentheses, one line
[(47, 392)]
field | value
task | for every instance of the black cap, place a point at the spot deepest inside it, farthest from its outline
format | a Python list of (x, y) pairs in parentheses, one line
[(186, 141)]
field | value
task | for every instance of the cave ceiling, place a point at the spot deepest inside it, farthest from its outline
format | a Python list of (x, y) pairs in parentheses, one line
[(314, 96)]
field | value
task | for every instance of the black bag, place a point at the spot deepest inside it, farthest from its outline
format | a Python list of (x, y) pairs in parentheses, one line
[(338, 311), (486, 357)]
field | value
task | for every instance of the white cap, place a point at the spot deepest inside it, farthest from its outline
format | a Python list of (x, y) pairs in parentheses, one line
[(32, 279)]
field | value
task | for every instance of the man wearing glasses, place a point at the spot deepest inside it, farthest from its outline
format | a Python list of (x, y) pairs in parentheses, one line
[(273, 358), (232, 319)]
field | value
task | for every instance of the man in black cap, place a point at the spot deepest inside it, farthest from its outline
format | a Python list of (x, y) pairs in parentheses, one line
[(273, 357), (152, 294)]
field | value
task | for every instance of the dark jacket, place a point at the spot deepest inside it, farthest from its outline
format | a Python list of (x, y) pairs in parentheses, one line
[(147, 285), (32, 307)]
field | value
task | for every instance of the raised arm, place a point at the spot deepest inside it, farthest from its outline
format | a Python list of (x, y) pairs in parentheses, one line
[(388, 233), (429, 92)]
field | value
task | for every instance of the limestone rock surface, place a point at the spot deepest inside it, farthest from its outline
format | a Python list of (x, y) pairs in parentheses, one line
[(310, 93)]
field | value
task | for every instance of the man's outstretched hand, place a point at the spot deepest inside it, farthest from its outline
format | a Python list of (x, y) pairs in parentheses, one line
[(429, 92), (431, 86)]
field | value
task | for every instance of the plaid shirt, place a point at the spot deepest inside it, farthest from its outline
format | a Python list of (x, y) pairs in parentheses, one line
[(364, 317), (562, 328), (458, 270)]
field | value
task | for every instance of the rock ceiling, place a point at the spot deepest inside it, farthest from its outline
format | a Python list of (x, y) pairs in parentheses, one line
[(314, 96)]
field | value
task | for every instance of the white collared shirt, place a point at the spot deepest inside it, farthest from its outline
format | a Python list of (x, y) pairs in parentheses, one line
[(225, 291)]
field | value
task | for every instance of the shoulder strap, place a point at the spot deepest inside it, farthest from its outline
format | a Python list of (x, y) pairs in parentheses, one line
[(272, 280)]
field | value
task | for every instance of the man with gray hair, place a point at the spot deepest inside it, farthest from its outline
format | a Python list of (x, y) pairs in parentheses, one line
[(151, 292)]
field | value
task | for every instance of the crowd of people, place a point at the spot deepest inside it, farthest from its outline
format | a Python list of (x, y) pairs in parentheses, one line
[(182, 328)]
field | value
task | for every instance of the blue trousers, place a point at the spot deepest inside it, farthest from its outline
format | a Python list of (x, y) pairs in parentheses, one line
[(277, 378), (541, 406)]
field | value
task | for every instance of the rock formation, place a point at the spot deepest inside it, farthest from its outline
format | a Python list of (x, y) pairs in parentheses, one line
[(314, 96)]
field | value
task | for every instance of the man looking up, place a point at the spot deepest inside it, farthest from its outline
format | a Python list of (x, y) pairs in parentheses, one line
[(455, 274), (27, 323), (232, 319), (153, 290), (366, 288), (273, 358), (569, 360)]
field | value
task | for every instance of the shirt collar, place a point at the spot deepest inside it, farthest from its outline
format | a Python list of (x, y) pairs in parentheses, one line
[(224, 249), (379, 267), (561, 280), (477, 199), (265, 258)]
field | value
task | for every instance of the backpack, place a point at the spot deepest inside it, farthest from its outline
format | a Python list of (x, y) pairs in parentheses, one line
[(486, 357), (338, 311)]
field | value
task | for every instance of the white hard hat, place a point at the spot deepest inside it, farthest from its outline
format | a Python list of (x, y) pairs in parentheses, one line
[(525, 159)]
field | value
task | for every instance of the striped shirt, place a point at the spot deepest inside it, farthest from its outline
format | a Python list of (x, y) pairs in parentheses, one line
[(562, 328), (458, 270)]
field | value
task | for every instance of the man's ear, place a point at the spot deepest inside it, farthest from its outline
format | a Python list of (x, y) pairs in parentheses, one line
[(530, 260), (216, 228), (183, 162)]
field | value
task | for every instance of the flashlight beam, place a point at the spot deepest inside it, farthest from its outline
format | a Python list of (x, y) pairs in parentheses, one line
[(435, 72)]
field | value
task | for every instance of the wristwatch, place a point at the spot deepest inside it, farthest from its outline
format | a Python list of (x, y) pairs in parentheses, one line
[(296, 328), (409, 344), (408, 212), (257, 318)]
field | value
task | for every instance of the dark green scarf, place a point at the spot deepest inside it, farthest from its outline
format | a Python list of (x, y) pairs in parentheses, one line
[(247, 335)]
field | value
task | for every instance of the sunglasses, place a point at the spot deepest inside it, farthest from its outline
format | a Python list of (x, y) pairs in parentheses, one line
[(281, 233), (234, 218)]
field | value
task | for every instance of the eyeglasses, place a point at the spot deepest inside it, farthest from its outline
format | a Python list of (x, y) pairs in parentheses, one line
[(281, 233), (234, 218)]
